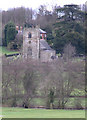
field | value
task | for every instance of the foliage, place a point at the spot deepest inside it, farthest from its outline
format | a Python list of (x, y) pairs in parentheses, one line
[(12, 46), (69, 52), (69, 32), (50, 101), (29, 83), (63, 77), (62, 24), (48, 28), (10, 32), (86, 33), (71, 12), (78, 104), (26, 80)]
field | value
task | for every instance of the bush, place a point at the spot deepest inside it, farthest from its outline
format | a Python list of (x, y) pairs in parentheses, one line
[(78, 104), (10, 32), (12, 46)]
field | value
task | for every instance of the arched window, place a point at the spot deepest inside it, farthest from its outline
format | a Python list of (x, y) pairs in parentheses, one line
[(29, 35)]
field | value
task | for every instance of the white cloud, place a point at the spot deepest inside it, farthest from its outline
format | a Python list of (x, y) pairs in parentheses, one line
[(5, 4)]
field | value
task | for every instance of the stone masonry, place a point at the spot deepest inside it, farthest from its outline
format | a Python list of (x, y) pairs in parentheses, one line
[(36, 48)]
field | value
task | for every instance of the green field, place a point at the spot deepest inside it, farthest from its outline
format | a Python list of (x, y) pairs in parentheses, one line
[(41, 113), (4, 50)]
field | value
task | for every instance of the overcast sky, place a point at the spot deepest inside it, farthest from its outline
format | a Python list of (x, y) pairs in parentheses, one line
[(6, 4)]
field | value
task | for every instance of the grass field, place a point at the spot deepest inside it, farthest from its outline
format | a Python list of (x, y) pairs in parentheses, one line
[(41, 113), (4, 50)]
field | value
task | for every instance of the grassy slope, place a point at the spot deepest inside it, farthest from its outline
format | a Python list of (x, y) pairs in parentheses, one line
[(41, 113), (4, 50)]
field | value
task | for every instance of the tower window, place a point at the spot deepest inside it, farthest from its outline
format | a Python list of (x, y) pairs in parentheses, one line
[(29, 51), (29, 42), (29, 35)]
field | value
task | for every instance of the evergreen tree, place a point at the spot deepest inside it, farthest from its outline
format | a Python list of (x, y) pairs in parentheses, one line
[(71, 12), (10, 32), (69, 32)]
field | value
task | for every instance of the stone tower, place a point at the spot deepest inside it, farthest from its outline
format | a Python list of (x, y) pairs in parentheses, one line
[(31, 43)]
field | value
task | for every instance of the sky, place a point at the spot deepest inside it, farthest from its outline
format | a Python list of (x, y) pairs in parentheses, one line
[(34, 4)]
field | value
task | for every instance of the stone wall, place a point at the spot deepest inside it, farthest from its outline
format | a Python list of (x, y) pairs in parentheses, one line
[(46, 55), (31, 45)]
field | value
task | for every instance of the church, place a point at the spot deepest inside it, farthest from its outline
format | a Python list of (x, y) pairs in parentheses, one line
[(35, 45)]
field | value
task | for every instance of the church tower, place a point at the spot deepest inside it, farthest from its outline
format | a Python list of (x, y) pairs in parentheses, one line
[(31, 43)]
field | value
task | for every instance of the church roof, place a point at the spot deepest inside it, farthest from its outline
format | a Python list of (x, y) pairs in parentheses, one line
[(44, 45)]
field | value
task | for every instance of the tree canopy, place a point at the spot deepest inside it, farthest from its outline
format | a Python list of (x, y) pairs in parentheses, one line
[(68, 32), (63, 24), (70, 12), (10, 32)]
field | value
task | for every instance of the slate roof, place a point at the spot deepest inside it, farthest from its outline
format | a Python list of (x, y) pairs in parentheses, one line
[(44, 45)]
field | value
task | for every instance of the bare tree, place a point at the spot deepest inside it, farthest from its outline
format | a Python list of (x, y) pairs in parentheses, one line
[(61, 78), (69, 51), (54, 80), (11, 77), (30, 80)]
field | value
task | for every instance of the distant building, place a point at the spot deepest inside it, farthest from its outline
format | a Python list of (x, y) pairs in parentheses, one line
[(42, 34), (35, 45), (19, 29)]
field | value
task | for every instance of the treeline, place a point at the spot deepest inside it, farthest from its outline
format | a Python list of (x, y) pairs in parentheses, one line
[(25, 80), (63, 24), (21, 16)]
